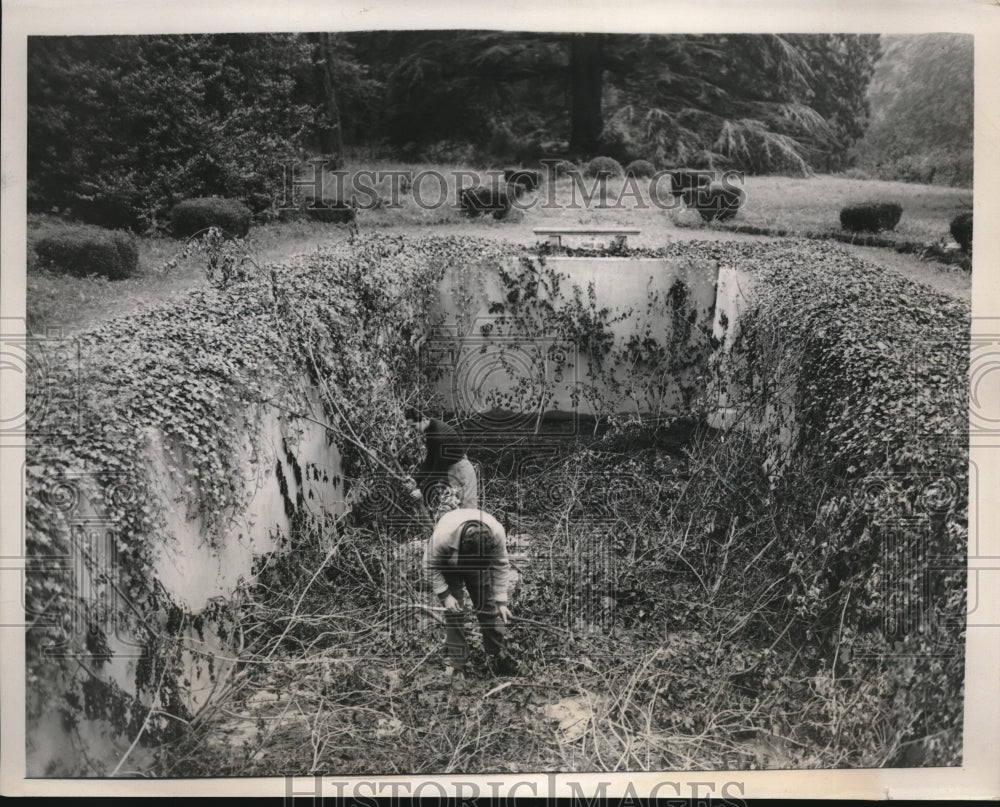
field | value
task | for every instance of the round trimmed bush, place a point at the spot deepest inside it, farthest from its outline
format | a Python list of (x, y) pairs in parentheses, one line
[(717, 202), (193, 216), (526, 178), (604, 167), (640, 168), (331, 212), (685, 180), (485, 199), (83, 250), (561, 168), (870, 217), (961, 230)]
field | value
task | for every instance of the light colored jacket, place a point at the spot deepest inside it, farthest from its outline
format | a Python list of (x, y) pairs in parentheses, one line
[(442, 550)]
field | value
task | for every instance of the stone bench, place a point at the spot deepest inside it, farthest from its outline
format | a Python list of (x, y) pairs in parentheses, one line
[(555, 234)]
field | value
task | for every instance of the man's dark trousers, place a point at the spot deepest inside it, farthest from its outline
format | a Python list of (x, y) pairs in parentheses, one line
[(478, 584)]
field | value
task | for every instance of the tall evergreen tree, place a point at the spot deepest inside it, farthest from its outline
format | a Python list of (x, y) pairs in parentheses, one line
[(745, 101), (719, 100), (587, 65), (342, 92), (842, 67)]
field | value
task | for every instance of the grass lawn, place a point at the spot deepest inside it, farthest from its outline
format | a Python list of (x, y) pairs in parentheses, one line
[(73, 303), (803, 205), (795, 204)]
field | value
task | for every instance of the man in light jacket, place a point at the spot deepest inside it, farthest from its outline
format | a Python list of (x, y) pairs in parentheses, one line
[(468, 552)]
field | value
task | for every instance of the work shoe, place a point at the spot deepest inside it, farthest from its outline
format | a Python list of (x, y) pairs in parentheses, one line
[(502, 664)]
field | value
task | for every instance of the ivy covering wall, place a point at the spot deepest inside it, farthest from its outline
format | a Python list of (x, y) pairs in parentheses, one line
[(853, 531), (196, 378), (870, 492)]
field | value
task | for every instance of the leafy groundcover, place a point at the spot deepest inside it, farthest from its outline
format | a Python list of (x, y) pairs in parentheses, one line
[(724, 601)]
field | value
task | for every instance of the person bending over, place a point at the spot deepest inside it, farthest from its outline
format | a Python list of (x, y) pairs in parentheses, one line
[(446, 464), (468, 553)]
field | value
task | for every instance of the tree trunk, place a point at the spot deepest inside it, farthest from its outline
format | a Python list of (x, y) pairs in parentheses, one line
[(330, 137), (586, 78)]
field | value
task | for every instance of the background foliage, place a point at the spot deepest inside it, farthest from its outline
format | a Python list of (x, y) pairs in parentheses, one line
[(922, 103), (120, 128)]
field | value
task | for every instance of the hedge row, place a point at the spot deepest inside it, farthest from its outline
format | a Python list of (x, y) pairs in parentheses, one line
[(83, 250), (871, 217), (932, 251), (876, 480)]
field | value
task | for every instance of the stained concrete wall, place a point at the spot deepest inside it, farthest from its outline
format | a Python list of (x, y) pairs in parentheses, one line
[(195, 571), (478, 371), (193, 568), (733, 294), (517, 367)]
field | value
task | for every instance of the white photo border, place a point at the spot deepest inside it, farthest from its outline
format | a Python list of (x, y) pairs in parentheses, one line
[(979, 776)]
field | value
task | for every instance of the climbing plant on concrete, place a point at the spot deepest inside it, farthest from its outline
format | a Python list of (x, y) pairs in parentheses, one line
[(874, 370), (190, 382)]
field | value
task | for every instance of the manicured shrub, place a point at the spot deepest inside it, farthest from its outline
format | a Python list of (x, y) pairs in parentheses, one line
[(717, 202), (684, 180), (604, 167), (561, 168), (485, 199), (526, 178), (870, 217), (193, 216), (83, 250), (331, 211), (516, 190), (961, 230), (640, 168)]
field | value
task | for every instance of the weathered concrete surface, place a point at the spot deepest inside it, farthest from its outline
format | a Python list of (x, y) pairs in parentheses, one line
[(491, 363)]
